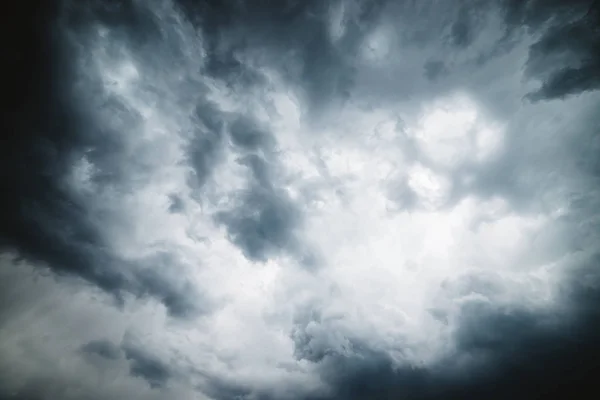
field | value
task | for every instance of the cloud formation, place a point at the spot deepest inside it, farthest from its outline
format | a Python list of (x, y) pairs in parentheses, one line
[(300, 200)]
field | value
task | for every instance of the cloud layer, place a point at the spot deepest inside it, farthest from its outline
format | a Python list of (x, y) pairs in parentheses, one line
[(301, 200)]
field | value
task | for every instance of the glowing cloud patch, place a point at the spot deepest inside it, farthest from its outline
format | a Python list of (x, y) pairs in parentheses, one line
[(452, 131)]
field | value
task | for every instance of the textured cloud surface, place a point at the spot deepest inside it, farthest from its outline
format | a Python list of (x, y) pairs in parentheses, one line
[(301, 200)]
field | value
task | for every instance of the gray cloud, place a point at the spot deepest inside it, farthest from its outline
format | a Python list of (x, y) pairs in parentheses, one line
[(434, 69), (265, 220), (48, 220), (120, 145), (147, 367), (102, 348), (462, 31), (501, 353), (292, 37), (180, 298), (206, 143), (247, 135), (566, 55)]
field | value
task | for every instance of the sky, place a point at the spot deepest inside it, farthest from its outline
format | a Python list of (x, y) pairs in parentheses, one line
[(300, 200)]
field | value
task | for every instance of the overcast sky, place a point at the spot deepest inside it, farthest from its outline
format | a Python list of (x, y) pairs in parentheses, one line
[(286, 199)]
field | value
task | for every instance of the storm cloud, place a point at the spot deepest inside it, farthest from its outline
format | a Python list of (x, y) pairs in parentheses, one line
[(300, 200)]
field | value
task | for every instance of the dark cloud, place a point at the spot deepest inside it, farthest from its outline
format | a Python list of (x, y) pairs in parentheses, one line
[(372, 375), (248, 135), (292, 36), (219, 389), (179, 297), (123, 16), (147, 367), (265, 219), (45, 219), (177, 204), (354, 369), (42, 218), (206, 143), (461, 32), (501, 353), (528, 354), (434, 69), (568, 81), (102, 348), (565, 58)]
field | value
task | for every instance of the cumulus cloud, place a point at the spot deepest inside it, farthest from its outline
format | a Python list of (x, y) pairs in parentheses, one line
[(300, 200)]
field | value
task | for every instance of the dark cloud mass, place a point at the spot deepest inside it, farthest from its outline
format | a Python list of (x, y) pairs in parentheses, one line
[(174, 172), (147, 367), (102, 348)]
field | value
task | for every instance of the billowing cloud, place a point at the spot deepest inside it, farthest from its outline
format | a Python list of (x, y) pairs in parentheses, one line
[(301, 200)]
